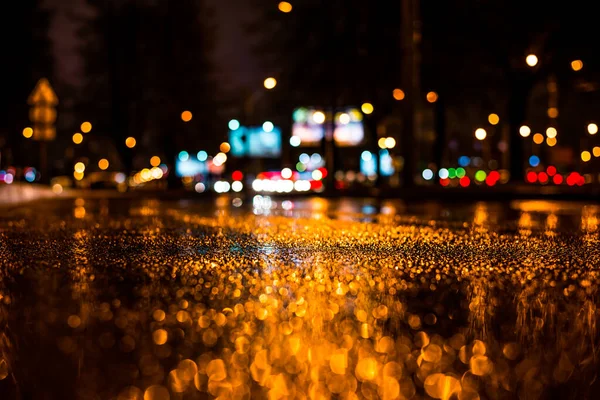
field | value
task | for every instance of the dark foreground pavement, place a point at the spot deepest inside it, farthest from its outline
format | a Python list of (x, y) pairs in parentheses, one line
[(146, 299)]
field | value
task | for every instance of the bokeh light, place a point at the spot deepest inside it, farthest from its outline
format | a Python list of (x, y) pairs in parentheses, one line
[(596, 151), (524, 131), (130, 142), (432, 97), (493, 119), (234, 124), (551, 132), (586, 156), (592, 129), (186, 116), (270, 83), (576, 65), (553, 112), (28, 132), (295, 141), (538, 138), (318, 117), (480, 134), (86, 127), (531, 60), (551, 142), (225, 147), (155, 161), (285, 7), (367, 108), (268, 126), (399, 94), (77, 138), (103, 164), (79, 167), (390, 142)]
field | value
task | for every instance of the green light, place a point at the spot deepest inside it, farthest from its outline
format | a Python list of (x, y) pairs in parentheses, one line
[(460, 172), (480, 175), (451, 173), (300, 167)]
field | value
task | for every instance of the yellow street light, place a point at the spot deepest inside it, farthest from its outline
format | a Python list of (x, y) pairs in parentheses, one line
[(596, 151), (86, 127), (551, 132), (381, 143), (28, 132), (553, 112), (79, 167), (586, 156), (77, 138), (480, 134), (130, 142), (538, 138), (78, 175), (103, 164), (318, 117), (577, 65), (186, 116), (270, 83), (399, 94), (551, 141), (155, 161), (390, 142), (285, 7), (493, 119), (367, 108), (432, 97), (531, 60), (592, 129)]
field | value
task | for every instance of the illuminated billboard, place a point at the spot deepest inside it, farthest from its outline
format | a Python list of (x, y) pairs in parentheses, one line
[(259, 142), (309, 127)]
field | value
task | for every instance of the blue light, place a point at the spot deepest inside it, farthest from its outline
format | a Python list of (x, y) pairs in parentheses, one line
[(427, 174), (316, 158), (386, 164), (184, 156), (534, 161), (202, 155), (268, 126), (464, 161), (30, 176), (234, 124), (366, 155), (304, 158), (443, 173)]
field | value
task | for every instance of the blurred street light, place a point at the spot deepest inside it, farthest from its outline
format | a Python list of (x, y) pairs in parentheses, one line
[(551, 132), (285, 7), (78, 175), (225, 147), (130, 142), (592, 129), (432, 97), (103, 164), (295, 141), (268, 126), (531, 60), (86, 127), (381, 143), (596, 151), (480, 134), (538, 138), (318, 117), (234, 125), (390, 142), (553, 112), (155, 161), (344, 119), (79, 167), (551, 141), (270, 83), (493, 119), (77, 138), (524, 131), (186, 116), (586, 156), (27, 132), (367, 108), (399, 94), (577, 65)]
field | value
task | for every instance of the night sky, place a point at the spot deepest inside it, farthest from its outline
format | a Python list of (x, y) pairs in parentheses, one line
[(233, 59)]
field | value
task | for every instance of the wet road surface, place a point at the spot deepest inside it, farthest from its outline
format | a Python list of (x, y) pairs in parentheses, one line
[(141, 299)]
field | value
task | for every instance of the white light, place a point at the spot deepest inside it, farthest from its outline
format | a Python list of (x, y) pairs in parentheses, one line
[(366, 156), (156, 173), (295, 141), (524, 131), (318, 117), (316, 158), (237, 186), (234, 124), (317, 175), (443, 173), (222, 186), (287, 205), (268, 126), (344, 119), (257, 185), (480, 134), (120, 177), (427, 174), (8, 179), (304, 158), (390, 142), (57, 188), (286, 173), (199, 188)]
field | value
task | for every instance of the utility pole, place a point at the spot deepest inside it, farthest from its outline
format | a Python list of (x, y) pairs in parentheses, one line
[(411, 38)]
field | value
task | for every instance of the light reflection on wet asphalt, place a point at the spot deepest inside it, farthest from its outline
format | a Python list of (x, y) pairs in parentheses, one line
[(143, 299)]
